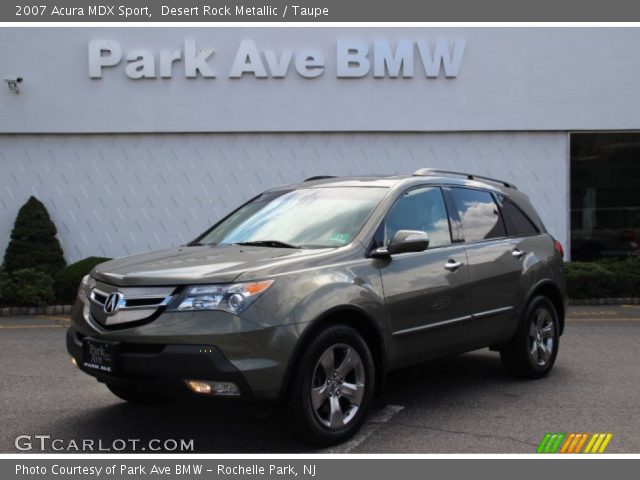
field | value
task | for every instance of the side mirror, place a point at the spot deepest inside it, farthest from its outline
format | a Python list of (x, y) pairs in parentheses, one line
[(404, 241)]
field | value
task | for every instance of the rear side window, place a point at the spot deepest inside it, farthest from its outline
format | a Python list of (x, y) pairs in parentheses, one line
[(478, 214), (517, 223)]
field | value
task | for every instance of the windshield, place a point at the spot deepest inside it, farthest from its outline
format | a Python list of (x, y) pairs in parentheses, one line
[(304, 218)]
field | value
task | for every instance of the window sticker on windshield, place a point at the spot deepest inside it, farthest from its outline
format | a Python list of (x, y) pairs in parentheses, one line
[(340, 238)]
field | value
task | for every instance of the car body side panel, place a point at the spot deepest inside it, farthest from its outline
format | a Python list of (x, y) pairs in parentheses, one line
[(421, 297), (494, 279), (540, 265)]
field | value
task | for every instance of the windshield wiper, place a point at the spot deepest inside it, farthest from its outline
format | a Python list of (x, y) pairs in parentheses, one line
[(269, 243)]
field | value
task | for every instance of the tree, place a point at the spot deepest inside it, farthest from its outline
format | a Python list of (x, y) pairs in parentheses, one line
[(33, 241)]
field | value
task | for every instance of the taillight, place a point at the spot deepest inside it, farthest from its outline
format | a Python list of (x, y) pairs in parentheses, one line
[(558, 247)]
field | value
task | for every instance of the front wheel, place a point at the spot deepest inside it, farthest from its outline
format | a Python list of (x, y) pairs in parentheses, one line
[(533, 350), (331, 390)]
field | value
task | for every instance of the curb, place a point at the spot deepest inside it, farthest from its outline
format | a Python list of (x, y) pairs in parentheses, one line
[(605, 301), (50, 310)]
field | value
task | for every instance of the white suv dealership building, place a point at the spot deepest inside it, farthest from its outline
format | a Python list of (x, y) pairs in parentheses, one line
[(139, 138)]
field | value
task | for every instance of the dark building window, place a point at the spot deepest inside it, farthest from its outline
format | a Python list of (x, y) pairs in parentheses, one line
[(605, 195)]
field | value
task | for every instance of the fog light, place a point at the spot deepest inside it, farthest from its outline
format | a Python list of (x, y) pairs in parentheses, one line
[(221, 389), (199, 387), (73, 360)]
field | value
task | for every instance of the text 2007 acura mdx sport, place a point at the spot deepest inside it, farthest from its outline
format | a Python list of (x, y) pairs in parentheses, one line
[(308, 294)]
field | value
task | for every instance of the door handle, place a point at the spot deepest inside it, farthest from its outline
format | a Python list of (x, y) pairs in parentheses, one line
[(452, 265), (517, 253)]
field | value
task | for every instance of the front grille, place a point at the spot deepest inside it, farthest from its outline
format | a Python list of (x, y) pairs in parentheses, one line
[(99, 297), (113, 307), (144, 302)]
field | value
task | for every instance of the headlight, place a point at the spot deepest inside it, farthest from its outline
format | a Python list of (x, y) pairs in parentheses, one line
[(86, 285), (232, 298)]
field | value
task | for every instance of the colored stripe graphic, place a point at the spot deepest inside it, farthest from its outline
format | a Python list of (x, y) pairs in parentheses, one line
[(554, 448), (551, 442), (543, 443), (581, 442), (556, 442), (598, 443), (590, 444), (606, 441)]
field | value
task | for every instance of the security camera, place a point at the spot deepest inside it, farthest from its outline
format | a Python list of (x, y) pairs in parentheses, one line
[(14, 83)]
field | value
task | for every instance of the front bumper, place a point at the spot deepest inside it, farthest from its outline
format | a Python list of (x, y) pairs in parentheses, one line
[(163, 368), (165, 352)]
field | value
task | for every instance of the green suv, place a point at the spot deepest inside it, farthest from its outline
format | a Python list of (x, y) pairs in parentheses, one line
[(309, 294)]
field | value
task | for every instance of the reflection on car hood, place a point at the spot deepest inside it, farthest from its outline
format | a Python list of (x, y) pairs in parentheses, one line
[(201, 264)]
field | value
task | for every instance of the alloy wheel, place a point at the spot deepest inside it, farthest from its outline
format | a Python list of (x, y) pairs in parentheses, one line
[(337, 386), (541, 337)]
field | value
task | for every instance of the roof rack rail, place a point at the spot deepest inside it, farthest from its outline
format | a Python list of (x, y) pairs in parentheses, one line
[(318, 177), (425, 172)]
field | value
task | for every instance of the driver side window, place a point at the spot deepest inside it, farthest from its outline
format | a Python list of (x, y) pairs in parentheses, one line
[(420, 209)]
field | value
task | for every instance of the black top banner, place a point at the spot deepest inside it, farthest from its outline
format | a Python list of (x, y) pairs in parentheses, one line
[(319, 11)]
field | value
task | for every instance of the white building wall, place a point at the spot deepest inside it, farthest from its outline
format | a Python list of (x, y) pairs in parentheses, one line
[(526, 79), (114, 195)]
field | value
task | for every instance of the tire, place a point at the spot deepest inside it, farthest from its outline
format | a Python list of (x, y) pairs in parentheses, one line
[(323, 413), (134, 396), (533, 350)]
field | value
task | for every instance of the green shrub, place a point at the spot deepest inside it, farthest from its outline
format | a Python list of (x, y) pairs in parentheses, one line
[(33, 241), (69, 278), (604, 278), (32, 288)]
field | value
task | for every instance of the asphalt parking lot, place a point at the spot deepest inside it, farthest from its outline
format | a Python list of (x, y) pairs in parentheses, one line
[(462, 404)]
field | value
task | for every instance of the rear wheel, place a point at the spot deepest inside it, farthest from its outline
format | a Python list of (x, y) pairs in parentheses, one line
[(132, 395), (533, 350), (331, 391)]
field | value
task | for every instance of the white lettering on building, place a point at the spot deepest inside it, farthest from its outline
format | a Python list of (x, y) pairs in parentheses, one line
[(354, 59)]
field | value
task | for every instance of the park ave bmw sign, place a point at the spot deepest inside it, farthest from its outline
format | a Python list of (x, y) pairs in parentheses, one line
[(353, 59)]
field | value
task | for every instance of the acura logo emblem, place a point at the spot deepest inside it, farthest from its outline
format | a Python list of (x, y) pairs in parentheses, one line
[(113, 303)]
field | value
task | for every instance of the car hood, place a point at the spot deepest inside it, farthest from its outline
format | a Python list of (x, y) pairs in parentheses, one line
[(200, 264)]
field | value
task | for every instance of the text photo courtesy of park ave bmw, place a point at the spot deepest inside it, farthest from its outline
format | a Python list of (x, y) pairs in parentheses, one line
[(317, 239)]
